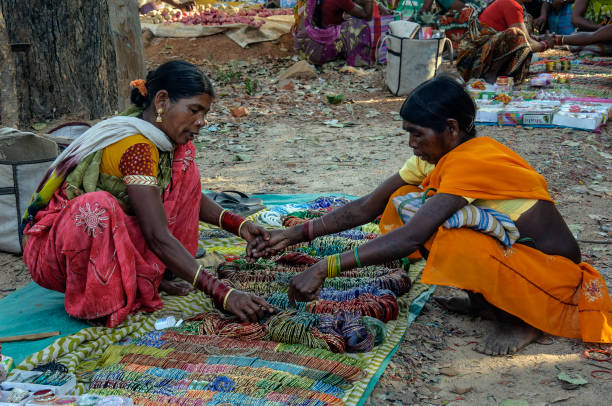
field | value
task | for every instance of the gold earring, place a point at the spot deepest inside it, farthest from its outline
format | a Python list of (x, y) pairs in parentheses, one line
[(159, 113)]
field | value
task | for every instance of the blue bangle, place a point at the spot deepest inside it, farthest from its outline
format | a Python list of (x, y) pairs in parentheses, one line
[(357, 258)]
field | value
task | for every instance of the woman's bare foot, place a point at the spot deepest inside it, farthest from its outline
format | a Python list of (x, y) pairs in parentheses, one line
[(472, 304), (178, 288), (461, 305), (508, 338)]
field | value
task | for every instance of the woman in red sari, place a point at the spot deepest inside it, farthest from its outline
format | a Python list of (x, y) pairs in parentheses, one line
[(121, 205)]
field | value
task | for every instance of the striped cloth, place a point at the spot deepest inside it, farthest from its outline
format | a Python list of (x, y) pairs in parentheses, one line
[(483, 219)]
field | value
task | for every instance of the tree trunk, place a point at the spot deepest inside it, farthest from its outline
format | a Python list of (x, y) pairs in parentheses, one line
[(73, 57), (9, 114)]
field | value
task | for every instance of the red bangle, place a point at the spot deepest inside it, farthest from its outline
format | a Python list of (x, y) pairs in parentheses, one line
[(231, 222), (213, 287), (545, 45)]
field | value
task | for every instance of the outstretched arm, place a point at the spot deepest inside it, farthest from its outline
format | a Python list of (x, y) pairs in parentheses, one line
[(578, 20), (394, 245), (602, 35), (151, 217), (353, 214), (536, 46)]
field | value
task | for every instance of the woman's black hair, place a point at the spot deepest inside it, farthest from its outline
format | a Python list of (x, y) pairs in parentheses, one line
[(179, 78), (438, 99)]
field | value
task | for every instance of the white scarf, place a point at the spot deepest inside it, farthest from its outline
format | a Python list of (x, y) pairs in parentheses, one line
[(108, 132)]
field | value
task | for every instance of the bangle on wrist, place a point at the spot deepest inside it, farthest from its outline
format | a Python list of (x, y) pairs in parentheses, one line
[(306, 230), (544, 44), (240, 227), (357, 258), (221, 218), (195, 278), (333, 266), (225, 298), (231, 222)]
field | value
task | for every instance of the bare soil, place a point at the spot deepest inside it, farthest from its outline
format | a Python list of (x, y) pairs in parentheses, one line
[(290, 143)]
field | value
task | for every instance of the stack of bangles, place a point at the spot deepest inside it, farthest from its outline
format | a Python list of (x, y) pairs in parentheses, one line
[(231, 222), (559, 40), (334, 267), (212, 286), (308, 231), (544, 44)]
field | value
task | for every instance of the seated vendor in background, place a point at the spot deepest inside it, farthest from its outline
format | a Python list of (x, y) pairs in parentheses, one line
[(590, 16), (322, 34), (502, 44), (557, 16), (145, 6)]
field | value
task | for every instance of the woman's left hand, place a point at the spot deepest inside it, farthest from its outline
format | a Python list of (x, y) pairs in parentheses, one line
[(306, 286)]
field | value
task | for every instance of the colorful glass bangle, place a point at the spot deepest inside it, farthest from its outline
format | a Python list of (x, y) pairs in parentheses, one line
[(225, 298), (221, 217), (195, 278), (240, 227), (357, 258)]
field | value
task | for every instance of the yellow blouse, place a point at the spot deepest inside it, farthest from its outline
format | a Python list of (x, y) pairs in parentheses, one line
[(415, 170), (135, 159)]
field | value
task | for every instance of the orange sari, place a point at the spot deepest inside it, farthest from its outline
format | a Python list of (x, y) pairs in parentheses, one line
[(549, 292)]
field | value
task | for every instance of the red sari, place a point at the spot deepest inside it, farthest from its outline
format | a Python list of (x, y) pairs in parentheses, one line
[(95, 253)]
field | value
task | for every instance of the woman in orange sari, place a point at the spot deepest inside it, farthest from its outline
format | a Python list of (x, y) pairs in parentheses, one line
[(528, 285)]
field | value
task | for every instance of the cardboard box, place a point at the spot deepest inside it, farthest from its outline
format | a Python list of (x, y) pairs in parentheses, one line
[(583, 121)]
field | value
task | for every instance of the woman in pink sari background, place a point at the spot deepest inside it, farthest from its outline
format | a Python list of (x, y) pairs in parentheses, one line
[(322, 34), (121, 205)]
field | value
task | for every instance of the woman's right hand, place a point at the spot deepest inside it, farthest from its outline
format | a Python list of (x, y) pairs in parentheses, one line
[(247, 306), (279, 241)]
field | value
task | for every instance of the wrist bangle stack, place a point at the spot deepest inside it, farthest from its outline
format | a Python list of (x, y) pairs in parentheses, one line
[(544, 44), (195, 278), (333, 266), (308, 231), (231, 222), (225, 298)]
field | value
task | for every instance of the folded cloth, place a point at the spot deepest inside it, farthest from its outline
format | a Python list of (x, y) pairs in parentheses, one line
[(483, 219)]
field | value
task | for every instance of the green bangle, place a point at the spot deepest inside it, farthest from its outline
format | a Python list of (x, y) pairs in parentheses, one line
[(357, 258)]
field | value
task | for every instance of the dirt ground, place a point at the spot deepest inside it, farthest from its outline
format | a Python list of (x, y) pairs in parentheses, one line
[(293, 141)]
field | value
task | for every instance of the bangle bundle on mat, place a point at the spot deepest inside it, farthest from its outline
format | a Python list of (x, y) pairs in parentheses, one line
[(295, 356)]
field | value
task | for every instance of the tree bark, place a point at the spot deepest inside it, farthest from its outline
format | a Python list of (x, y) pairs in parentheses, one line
[(73, 57), (9, 115)]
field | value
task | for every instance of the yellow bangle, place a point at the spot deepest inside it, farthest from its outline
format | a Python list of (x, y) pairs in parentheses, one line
[(225, 298), (240, 227), (195, 279), (221, 217)]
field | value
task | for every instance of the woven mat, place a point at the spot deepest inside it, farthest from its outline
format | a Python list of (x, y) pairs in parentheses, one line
[(87, 351)]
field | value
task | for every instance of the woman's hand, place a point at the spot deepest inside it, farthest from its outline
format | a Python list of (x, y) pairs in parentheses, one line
[(540, 22), (247, 306), (251, 231), (307, 285), (279, 240)]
